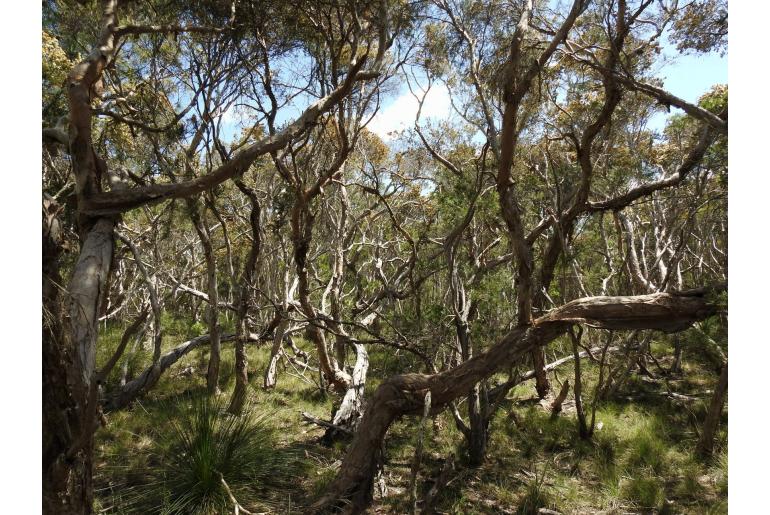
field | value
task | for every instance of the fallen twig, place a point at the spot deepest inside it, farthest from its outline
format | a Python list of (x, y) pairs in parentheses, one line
[(238, 507), (310, 418)]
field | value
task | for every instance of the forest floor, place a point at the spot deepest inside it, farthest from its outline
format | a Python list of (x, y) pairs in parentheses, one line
[(641, 459)]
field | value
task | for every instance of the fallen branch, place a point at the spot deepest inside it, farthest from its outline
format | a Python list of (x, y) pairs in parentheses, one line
[(151, 374), (310, 418), (238, 507)]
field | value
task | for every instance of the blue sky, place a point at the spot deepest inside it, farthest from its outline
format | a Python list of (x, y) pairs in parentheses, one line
[(689, 76), (686, 76)]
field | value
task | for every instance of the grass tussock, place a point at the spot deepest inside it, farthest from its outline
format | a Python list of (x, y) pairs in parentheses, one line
[(200, 444)]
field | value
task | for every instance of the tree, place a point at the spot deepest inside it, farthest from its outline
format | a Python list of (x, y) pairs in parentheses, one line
[(67, 463), (224, 169)]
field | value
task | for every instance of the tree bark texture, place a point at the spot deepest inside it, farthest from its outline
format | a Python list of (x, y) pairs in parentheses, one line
[(244, 295), (212, 376)]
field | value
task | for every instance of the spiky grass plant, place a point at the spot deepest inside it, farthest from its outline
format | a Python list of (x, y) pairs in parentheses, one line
[(201, 445), (536, 495)]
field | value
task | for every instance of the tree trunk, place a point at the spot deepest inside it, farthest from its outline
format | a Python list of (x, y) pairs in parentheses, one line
[(351, 408), (302, 234), (541, 376), (706, 440), (559, 400), (212, 376), (67, 485), (578, 388), (478, 434), (676, 366), (244, 295), (275, 353)]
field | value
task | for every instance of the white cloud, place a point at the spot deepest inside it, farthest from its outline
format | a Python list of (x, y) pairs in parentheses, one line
[(400, 113)]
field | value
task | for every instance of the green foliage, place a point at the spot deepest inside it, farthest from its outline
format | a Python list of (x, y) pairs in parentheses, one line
[(644, 492), (199, 445), (56, 66), (536, 496), (701, 26)]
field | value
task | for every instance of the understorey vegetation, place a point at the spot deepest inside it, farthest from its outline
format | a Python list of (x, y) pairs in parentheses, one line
[(260, 297)]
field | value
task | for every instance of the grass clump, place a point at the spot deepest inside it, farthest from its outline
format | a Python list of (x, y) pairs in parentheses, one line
[(201, 445), (646, 492), (536, 496), (720, 473)]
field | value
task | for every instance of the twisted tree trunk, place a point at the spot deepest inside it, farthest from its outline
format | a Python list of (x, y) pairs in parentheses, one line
[(212, 376)]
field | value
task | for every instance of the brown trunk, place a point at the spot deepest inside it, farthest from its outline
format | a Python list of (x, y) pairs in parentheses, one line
[(676, 366), (710, 425), (478, 434), (212, 376), (244, 295), (302, 234), (67, 486), (542, 386), (578, 388), (238, 399), (404, 394), (559, 400)]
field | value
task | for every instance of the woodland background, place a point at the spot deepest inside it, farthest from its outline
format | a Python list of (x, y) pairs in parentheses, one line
[(428, 239)]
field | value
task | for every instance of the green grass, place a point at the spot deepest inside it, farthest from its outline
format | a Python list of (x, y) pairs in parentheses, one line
[(643, 492), (198, 445), (641, 459)]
